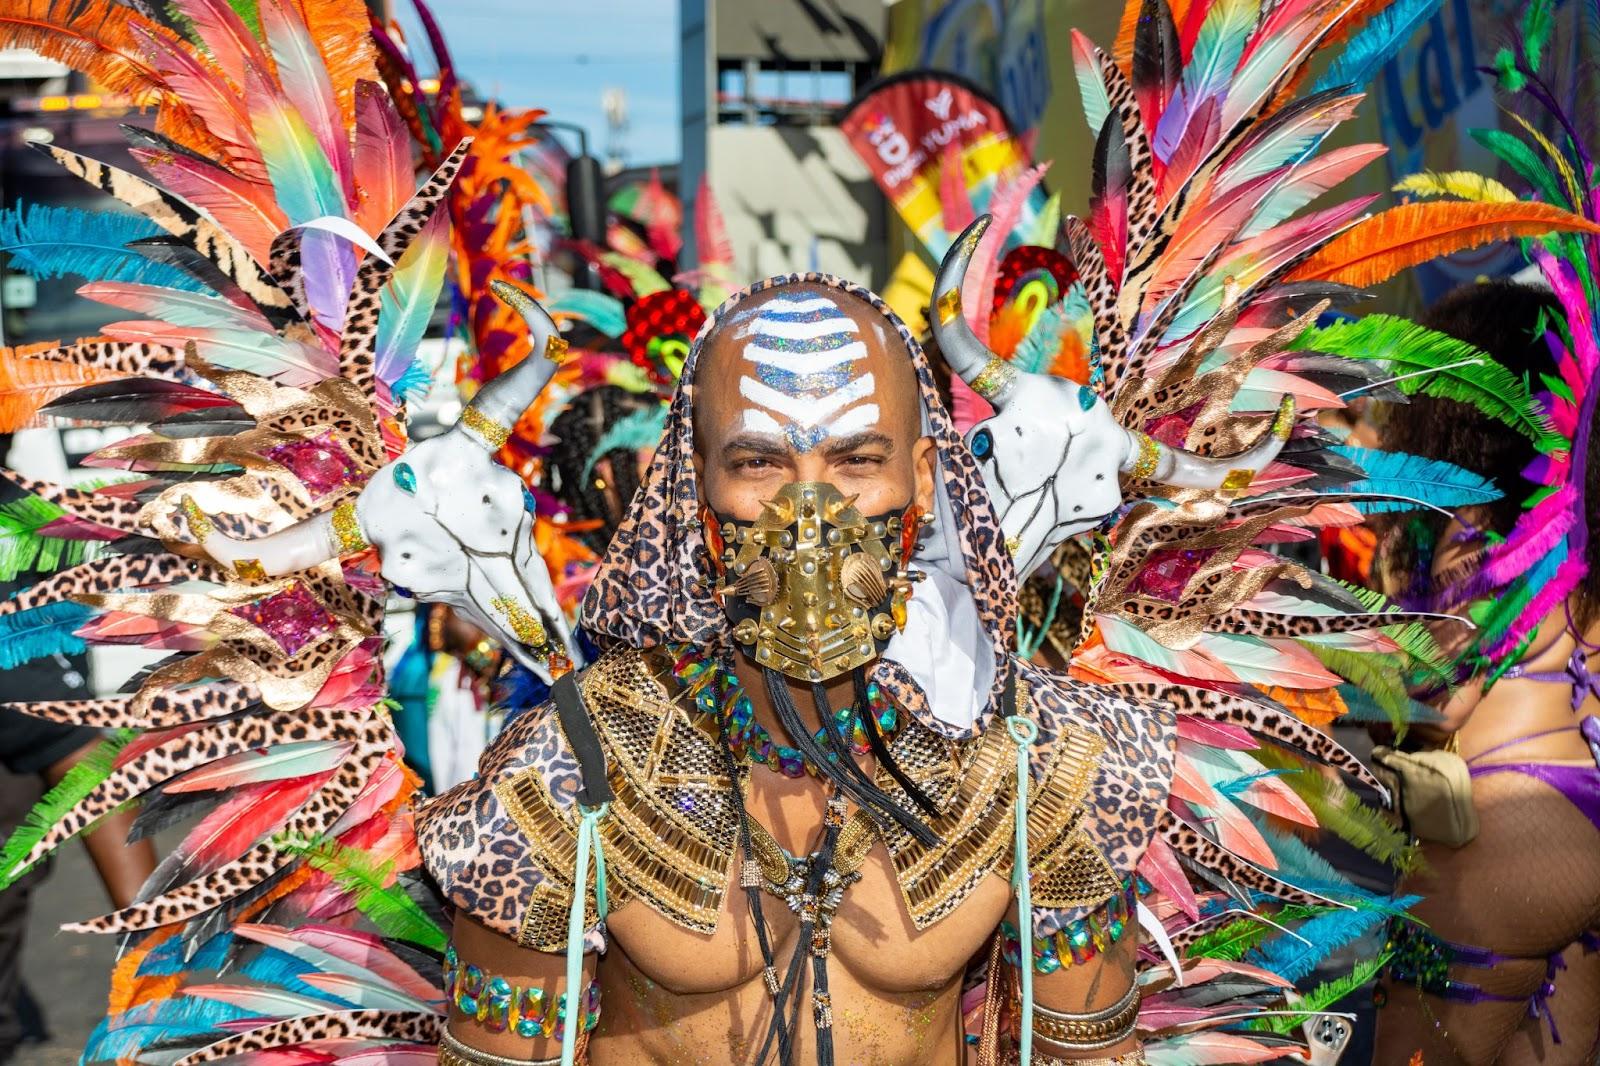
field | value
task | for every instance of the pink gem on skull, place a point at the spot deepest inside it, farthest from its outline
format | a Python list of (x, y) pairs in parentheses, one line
[(292, 617), (320, 463)]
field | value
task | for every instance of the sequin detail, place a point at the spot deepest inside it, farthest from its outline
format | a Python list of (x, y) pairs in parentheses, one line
[(718, 695), (292, 617)]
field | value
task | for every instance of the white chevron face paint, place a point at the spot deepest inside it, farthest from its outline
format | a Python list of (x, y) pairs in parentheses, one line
[(802, 353)]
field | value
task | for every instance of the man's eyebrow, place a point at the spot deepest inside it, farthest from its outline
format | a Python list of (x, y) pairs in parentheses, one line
[(856, 441), (757, 443)]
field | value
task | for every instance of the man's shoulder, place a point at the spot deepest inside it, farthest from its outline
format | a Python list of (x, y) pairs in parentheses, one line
[(1111, 757), (502, 845)]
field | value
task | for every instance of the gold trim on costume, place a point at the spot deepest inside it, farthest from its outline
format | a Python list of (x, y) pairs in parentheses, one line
[(492, 433), (453, 1052), (347, 529)]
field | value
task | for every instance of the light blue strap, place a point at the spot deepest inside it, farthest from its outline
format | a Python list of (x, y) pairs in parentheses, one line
[(1023, 732), (588, 839)]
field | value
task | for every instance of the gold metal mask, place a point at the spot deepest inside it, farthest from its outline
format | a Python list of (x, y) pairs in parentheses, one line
[(812, 583)]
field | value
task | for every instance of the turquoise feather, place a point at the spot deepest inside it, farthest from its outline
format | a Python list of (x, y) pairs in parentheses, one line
[(1377, 43), (636, 432), (604, 313), (1294, 958), (52, 242), (40, 631), (1432, 481), (407, 303)]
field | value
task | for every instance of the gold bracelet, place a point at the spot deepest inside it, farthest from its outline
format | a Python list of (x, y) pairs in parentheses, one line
[(1040, 1058), (1089, 1032), (453, 1052), (492, 433), (347, 529)]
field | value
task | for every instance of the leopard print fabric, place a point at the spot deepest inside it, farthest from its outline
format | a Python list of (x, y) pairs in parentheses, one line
[(469, 841)]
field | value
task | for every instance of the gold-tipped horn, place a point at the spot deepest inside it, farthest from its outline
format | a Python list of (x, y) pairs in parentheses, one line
[(986, 373), (1149, 459), (301, 546), (500, 403)]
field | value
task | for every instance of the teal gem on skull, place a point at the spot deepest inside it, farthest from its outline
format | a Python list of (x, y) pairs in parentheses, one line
[(1086, 397), (406, 478)]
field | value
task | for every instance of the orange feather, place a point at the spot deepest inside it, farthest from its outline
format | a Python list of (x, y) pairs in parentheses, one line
[(1317, 708), (94, 37), (28, 384), (1381, 246)]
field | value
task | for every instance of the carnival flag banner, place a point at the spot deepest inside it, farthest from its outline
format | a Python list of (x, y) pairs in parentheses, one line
[(944, 152)]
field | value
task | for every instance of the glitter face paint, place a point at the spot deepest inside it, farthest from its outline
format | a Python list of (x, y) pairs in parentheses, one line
[(804, 385)]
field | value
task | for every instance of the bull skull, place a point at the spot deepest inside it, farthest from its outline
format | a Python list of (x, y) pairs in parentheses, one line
[(1052, 453), (447, 519)]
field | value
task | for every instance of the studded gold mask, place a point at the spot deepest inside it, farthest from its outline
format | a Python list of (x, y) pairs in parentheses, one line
[(813, 585)]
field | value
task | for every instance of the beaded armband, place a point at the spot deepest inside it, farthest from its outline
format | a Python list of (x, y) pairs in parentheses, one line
[(1079, 941), (498, 1005)]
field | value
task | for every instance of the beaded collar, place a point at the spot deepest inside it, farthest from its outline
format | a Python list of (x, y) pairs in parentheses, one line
[(717, 693)]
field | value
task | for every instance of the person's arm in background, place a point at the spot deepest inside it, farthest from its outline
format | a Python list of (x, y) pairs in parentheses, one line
[(123, 867)]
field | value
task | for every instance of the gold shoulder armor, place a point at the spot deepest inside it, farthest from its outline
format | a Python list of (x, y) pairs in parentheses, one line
[(670, 834)]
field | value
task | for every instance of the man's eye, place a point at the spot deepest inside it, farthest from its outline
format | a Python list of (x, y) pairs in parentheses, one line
[(752, 464), (863, 460)]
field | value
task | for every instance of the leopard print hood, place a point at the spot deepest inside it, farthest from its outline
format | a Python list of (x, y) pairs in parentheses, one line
[(655, 583)]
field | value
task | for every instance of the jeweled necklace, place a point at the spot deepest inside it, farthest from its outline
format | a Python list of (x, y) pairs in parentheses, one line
[(718, 693)]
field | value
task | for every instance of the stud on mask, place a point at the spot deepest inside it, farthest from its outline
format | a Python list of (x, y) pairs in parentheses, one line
[(815, 587)]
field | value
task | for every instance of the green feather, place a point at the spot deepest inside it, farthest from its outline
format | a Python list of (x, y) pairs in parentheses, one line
[(1322, 997), (1515, 153), (23, 547), (395, 914), (1375, 673), (1233, 940), (1410, 349), (71, 790), (1341, 811), (1537, 22)]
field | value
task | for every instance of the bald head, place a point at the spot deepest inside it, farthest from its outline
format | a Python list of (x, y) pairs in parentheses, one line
[(807, 383)]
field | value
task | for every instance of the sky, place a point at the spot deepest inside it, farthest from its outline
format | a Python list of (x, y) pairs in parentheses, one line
[(561, 55)]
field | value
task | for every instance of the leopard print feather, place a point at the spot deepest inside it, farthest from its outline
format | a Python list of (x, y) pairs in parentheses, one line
[(409, 1027), (315, 817), (161, 709), (181, 220), (110, 574), (1198, 849), (111, 513)]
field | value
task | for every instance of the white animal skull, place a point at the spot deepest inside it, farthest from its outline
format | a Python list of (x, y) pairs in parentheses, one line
[(1052, 452), (448, 520)]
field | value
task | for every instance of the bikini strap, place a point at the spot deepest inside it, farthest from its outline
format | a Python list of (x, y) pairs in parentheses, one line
[(1520, 740)]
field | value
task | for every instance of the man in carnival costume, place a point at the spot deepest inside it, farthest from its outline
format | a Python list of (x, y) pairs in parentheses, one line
[(809, 787)]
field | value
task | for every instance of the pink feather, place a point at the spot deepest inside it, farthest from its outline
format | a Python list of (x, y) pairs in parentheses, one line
[(1160, 867), (1220, 1049), (361, 949), (1215, 734), (245, 208), (235, 825), (977, 293), (1541, 530), (229, 41), (711, 232), (217, 103), (383, 170)]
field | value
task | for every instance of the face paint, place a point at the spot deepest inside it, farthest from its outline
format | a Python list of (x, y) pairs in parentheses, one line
[(805, 387)]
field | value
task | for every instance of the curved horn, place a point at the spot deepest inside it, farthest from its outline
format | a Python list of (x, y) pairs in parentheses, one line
[(1149, 459), (986, 373), (305, 544), (501, 401)]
